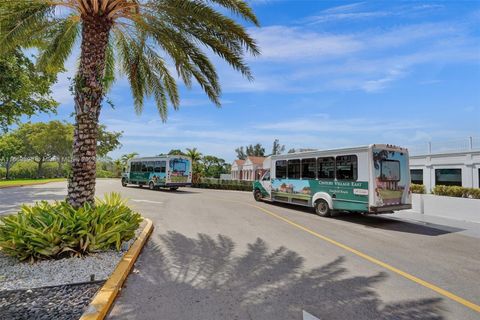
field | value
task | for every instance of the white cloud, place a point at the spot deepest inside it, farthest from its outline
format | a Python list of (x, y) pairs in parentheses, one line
[(285, 43)]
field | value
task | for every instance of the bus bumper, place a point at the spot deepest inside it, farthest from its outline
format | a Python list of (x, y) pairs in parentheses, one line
[(389, 209), (178, 184)]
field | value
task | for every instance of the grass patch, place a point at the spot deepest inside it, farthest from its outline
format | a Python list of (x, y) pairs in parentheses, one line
[(26, 182)]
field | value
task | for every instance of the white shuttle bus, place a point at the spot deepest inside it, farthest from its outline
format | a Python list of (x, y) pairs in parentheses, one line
[(170, 171), (370, 179)]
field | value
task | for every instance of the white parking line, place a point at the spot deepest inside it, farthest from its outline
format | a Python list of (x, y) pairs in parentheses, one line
[(147, 201)]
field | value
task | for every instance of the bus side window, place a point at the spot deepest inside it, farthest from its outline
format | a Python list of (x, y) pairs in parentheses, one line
[(346, 167), (144, 167), (150, 166), (163, 166), (157, 166), (309, 168), (293, 170), (326, 168), (281, 169)]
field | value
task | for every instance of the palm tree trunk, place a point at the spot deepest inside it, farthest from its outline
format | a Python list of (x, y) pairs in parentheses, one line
[(88, 98)]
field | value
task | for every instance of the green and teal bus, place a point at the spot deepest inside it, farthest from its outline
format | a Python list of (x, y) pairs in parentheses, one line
[(159, 172), (370, 179)]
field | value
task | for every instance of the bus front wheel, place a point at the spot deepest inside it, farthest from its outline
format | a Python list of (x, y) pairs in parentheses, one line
[(173, 188), (124, 182), (322, 209), (257, 194), (151, 185)]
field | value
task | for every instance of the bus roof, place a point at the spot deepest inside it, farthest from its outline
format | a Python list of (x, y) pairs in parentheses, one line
[(157, 158), (340, 150)]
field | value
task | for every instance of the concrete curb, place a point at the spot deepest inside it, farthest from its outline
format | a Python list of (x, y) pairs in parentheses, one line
[(103, 300), (29, 184)]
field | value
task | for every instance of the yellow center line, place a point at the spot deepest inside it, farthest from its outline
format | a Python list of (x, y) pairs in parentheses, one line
[(404, 274)]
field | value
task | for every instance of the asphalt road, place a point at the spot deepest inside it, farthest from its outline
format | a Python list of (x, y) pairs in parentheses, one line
[(221, 255)]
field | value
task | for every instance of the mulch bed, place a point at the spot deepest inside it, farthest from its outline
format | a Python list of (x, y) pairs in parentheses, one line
[(65, 302)]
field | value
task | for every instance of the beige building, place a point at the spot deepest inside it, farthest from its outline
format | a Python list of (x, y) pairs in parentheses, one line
[(249, 169)]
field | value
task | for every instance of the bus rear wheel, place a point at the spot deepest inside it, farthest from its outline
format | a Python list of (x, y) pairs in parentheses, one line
[(151, 185), (257, 195), (322, 209)]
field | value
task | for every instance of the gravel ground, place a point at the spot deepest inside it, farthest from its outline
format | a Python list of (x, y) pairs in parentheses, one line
[(16, 275), (50, 303)]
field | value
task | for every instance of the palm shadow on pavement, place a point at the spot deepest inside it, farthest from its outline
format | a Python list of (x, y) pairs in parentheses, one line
[(201, 278)]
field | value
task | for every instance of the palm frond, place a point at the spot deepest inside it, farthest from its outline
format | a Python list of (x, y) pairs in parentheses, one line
[(64, 35)]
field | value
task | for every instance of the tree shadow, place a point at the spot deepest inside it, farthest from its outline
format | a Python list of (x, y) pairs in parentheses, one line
[(12, 198), (181, 190), (202, 278), (380, 222)]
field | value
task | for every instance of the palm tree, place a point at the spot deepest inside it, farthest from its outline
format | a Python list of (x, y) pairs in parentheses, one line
[(127, 157), (194, 154), (139, 36)]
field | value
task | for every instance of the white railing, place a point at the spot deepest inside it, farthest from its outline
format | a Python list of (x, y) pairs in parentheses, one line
[(454, 145)]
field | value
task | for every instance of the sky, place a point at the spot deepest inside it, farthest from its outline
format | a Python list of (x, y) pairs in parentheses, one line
[(331, 74)]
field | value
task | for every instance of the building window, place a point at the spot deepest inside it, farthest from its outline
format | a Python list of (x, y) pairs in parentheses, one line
[(416, 176), (281, 169), (293, 169), (346, 167), (448, 177), (309, 168), (326, 168)]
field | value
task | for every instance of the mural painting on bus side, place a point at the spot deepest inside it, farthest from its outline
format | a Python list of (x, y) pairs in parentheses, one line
[(391, 179)]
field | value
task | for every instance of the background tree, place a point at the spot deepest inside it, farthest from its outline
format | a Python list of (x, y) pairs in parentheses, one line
[(136, 35), (24, 90), (127, 157), (37, 143), (256, 150), (11, 150), (176, 152), (214, 166), (193, 154), (241, 154), (277, 148), (61, 139), (197, 167), (107, 141)]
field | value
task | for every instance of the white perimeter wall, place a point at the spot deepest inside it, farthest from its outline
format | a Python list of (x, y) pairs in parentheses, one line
[(447, 207)]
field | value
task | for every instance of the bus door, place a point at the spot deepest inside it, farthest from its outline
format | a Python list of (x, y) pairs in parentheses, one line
[(266, 184)]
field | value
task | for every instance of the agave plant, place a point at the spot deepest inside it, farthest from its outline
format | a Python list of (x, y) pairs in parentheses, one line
[(138, 36)]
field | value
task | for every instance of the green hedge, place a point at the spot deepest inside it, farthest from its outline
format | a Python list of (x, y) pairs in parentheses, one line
[(417, 188), (28, 170), (456, 191), (224, 186), (105, 174)]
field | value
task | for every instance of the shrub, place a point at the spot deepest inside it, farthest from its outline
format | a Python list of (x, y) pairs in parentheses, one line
[(55, 230), (28, 170), (417, 188), (456, 191), (105, 174)]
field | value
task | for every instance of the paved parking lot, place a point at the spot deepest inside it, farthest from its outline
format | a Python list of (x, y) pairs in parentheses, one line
[(221, 255)]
